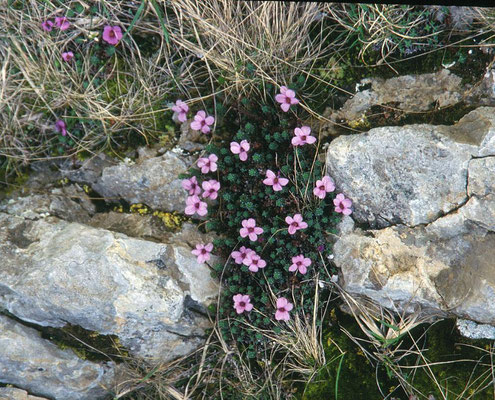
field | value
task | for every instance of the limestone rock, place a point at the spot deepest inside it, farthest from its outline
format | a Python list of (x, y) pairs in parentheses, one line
[(473, 330), (11, 393), (151, 295), (69, 202), (401, 267), (151, 180), (413, 93), (35, 364), (481, 176), (432, 191), (413, 174), (134, 225), (191, 140), (90, 170), (445, 267)]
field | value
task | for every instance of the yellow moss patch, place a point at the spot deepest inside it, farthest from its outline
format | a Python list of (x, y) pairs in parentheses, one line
[(63, 181), (172, 221), (139, 208), (360, 123)]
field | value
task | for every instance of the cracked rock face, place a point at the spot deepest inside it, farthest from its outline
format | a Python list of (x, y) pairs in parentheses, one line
[(151, 180), (435, 204), (410, 175), (39, 366), (151, 295)]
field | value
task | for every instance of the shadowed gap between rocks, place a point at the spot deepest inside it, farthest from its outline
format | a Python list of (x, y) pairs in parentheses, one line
[(87, 345)]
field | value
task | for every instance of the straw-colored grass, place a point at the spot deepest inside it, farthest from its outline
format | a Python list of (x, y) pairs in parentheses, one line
[(123, 97)]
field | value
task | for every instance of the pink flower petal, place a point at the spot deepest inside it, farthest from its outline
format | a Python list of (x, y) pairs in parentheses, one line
[(196, 125)]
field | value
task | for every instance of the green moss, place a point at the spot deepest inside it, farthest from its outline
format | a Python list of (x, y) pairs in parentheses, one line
[(18, 181), (87, 345), (440, 343), (356, 374)]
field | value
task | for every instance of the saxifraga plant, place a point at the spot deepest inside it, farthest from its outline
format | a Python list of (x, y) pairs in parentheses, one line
[(245, 195)]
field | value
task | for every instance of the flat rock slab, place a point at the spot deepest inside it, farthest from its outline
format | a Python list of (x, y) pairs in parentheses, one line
[(35, 364), (410, 175), (151, 295), (151, 180), (70, 203), (411, 93)]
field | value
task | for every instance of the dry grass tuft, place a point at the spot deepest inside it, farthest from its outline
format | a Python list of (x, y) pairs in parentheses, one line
[(110, 103), (248, 44)]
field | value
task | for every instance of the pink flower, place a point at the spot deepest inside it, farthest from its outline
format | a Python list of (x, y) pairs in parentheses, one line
[(195, 205), (61, 127), (300, 263), (191, 185), (303, 136), (240, 149), (47, 25), (283, 308), (208, 164), (201, 122), (324, 186), (295, 223), (286, 97), (250, 229), (254, 262), (241, 255), (275, 180), (112, 34), (180, 110), (62, 23), (242, 303), (203, 252), (211, 189), (67, 56), (342, 205)]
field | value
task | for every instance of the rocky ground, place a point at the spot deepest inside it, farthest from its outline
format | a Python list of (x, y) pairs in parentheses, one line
[(421, 239)]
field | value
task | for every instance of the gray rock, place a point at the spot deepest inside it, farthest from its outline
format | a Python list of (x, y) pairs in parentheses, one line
[(42, 176), (481, 176), (401, 268), (148, 294), (151, 180), (35, 364), (431, 189), (134, 225), (191, 140), (90, 170), (473, 330), (410, 94), (11, 393), (413, 93), (69, 202), (413, 174)]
